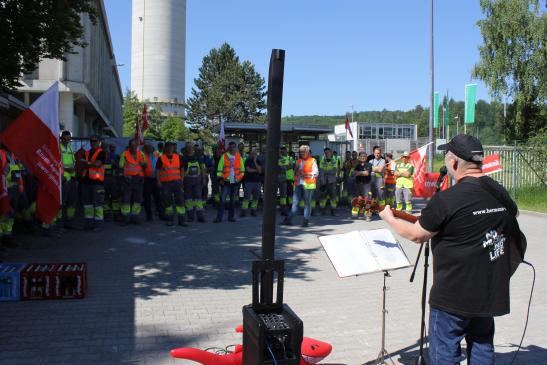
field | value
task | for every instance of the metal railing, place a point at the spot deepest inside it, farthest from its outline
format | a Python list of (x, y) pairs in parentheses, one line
[(522, 166)]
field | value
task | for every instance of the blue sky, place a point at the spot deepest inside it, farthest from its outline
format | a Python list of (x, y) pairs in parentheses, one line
[(372, 54)]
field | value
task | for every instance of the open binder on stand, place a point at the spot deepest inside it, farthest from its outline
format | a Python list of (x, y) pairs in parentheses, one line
[(365, 252)]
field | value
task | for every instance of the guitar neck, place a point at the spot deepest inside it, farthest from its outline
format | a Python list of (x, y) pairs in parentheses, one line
[(404, 216)]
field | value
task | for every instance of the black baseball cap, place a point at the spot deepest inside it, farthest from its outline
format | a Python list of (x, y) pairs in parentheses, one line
[(465, 147)]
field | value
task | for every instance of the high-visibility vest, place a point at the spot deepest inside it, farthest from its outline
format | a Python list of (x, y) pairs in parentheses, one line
[(95, 173), (133, 167), (404, 182), (16, 174), (331, 167), (227, 167), (170, 169), (68, 160), (192, 168), (287, 162), (389, 175), (306, 171)]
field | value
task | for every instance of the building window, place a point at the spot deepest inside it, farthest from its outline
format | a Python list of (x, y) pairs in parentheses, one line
[(407, 132), (388, 132), (365, 132)]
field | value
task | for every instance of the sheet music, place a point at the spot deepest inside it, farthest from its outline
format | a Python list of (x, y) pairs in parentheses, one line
[(364, 252), (385, 249)]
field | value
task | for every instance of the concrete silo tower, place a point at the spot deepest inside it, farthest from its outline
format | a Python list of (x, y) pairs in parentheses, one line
[(158, 52)]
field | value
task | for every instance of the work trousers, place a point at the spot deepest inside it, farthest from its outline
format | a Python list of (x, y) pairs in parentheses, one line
[(389, 194), (283, 190), (377, 185), (251, 194), (193, 193), (329, 192), (173, 198), (290, 191), (70, 199), (215, 188), (93, 198), (112, 186), (231, 190), (151, 192), (132, 196), (363, 189), (404, 195)]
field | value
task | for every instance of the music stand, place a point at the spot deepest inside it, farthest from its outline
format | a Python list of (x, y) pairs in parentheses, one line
[(381, 360), (364, 252)]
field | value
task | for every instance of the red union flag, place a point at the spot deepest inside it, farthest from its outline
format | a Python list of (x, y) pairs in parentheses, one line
[(429, 186), (348, 127), (221, 138), (491, 164), (421, 179), (34, 138)]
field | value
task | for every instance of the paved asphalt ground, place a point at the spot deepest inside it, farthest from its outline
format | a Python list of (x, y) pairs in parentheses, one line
[(153, 288)]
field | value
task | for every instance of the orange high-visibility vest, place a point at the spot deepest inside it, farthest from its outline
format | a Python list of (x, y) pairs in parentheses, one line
[(307, 171), (227, 167), (95, 173), (170, 169), (133, 167), (389, 176)]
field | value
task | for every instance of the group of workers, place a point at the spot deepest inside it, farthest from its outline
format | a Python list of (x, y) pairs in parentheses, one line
[(176, 186)]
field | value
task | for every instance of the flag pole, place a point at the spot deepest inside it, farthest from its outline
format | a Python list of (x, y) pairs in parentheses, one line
[(432, 85)]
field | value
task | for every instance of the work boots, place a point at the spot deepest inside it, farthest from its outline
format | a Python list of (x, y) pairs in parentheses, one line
[(182, 221)]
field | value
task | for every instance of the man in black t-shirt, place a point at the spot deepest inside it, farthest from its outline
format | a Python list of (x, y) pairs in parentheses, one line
[(470, 232), (362, 176)]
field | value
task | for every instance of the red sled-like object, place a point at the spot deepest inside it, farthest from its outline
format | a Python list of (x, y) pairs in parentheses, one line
[(312, 352)]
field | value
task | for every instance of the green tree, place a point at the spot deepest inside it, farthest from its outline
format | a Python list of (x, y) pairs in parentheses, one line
[(132, 108), (32, 30), (513, 61), (226, 88), (173, 129)]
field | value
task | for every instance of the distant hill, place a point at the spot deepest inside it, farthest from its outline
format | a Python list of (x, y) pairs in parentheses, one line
[(489, 123)]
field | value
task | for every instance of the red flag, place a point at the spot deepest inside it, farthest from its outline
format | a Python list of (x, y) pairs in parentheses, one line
[(34, 138), (221, 138), (491, 164), (144, 118), (138, 131), (418, 160), (348, 127)]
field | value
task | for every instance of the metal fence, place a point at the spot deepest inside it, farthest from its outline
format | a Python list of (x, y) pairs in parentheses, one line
[(522, 166)]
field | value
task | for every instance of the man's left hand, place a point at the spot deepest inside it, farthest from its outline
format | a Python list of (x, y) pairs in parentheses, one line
[(386, 214)]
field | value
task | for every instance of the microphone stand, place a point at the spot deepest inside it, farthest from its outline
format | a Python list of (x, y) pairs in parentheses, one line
[(420, 360)]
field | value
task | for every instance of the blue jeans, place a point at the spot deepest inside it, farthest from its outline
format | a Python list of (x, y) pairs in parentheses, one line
[(446, 331), (233, 191), (299, 194)]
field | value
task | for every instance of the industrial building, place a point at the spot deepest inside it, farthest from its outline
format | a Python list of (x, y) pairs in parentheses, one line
[(394, 138), (158, 53), (90, 90)]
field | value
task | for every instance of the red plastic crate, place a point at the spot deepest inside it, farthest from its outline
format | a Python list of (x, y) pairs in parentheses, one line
[(70, 281), (37, 281)]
